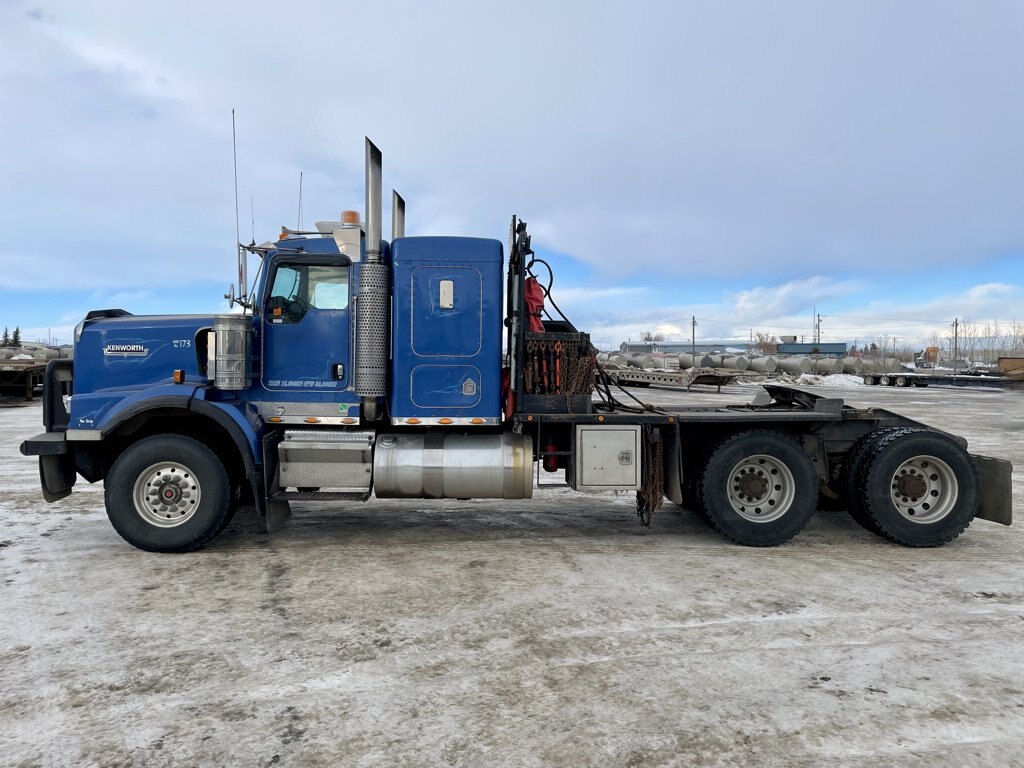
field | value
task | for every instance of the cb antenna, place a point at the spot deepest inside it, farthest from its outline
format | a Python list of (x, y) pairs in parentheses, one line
[(299, 224), (240, 250)]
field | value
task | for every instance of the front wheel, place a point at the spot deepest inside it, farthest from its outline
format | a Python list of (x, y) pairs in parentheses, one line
[(167, 493), (759, 488)]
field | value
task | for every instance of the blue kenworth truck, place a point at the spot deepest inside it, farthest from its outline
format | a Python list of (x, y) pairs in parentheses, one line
[(358, 365)]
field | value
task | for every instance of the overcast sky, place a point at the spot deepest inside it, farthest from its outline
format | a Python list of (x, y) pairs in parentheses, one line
[(741, 162)]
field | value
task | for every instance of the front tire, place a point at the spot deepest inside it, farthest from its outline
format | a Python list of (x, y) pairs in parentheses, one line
[(167, 493), (759, 488)]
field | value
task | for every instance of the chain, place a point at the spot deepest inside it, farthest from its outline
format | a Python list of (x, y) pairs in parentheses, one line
[(651, 494), (554, 367)]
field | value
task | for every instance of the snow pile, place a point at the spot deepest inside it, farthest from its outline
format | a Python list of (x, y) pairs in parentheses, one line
[(832, 380)]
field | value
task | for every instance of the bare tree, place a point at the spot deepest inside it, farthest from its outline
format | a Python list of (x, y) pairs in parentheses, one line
[(968, 341), (1015, 338), (766, 343)]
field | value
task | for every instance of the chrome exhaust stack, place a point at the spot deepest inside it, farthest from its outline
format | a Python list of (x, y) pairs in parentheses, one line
[(397, 216), (373, 301), (374, 201)]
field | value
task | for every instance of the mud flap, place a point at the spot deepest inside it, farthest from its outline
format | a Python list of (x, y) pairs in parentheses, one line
[(996, 485), (673, 466), (278, 511), (57, 475)]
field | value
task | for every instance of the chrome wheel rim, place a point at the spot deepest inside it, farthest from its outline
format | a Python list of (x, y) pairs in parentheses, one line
[(761, 488), (166, 494), (924, 489)]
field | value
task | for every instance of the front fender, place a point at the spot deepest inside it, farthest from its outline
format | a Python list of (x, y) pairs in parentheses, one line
[(188, 398)]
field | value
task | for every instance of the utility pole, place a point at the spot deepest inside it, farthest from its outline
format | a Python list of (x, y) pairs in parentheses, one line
[(956, 340), (894, 355), (693, 334), (817, 326)]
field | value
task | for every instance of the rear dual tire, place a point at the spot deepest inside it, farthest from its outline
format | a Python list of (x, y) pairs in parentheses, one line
[(912, 486)]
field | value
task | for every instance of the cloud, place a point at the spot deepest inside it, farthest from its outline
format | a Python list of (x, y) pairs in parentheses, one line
[(680, 143), (776, 310), (574, 296), (780, 300)]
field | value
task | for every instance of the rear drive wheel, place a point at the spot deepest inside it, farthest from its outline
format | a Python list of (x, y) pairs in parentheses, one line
[(919, 488), (759, 488), (855, 467), (167, 493)]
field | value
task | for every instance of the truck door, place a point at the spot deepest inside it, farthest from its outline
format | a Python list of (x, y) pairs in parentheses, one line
[(305, 339)]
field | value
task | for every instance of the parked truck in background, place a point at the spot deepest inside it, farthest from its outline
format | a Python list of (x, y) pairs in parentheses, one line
[(361, 366)]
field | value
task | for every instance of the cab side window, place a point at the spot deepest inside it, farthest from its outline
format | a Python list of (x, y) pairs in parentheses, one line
[(298, 288)]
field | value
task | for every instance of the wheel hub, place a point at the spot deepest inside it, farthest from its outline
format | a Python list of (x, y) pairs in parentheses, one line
[(166, 494), (913, 486), (761, 488), (752, 485), (924, 489)]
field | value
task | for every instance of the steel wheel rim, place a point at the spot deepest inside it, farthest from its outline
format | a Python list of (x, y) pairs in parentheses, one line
[(166, 494), (924, 489), (752, 502)]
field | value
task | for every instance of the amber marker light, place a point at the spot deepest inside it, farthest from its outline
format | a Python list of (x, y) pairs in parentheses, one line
[(348, 420), (412, 421), (311, 420), (275, 419), (476, 421), (445, 420), (179, 376)]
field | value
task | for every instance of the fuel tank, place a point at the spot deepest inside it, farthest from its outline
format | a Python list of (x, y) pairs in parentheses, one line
[(453, 466)]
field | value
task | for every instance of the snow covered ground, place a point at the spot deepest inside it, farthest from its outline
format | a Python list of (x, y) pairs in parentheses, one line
[(556, 631)]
